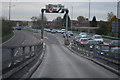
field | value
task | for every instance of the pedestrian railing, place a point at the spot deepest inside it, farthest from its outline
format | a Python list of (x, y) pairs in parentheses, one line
[(20, 56)]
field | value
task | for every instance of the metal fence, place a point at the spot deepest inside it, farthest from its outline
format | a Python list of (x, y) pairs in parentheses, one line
[(95, 52), (20, 56)]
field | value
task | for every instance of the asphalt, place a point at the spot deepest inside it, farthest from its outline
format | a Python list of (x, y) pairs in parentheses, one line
[(59, 62)]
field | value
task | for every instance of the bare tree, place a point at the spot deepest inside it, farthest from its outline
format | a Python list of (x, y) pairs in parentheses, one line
[(109, 16), (81, 18)]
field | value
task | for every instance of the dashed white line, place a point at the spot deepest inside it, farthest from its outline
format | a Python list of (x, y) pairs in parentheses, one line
[(23, 42), (16, 53), (45, 37)]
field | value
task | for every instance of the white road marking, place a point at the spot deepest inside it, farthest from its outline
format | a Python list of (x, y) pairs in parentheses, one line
[(106, 43), (9, 65), (23, 42), (16, 53), (45, 37)]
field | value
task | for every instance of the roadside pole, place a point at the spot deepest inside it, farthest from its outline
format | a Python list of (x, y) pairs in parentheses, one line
[(66, 38), (42, 28)]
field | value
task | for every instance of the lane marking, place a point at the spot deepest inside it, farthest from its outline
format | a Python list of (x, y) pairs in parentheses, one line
[(106, 43), (23, 42), (9, 65), (45, 37), (16, 53)]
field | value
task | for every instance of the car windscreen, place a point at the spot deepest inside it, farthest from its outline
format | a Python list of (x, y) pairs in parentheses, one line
[(98, 37), (84, 39)]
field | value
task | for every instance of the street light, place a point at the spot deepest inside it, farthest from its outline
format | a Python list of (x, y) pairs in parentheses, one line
[(89, 9), (71, 16), (10, 9)]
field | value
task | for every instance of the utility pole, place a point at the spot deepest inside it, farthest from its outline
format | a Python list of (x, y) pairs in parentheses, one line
[(9, 9), (71, 17), (42, 28), (66, 20), (89, 9)]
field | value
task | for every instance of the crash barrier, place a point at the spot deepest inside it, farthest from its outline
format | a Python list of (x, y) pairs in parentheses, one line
[(95, 51), (18, 60)]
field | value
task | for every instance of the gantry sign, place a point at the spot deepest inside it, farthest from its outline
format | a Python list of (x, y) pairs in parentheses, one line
[(53, 8)]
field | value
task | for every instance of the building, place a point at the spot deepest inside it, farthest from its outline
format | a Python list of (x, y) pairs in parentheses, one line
[(116, 28), (118, 10)]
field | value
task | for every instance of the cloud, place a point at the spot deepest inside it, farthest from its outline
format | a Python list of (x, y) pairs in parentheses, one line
[(25, 10)]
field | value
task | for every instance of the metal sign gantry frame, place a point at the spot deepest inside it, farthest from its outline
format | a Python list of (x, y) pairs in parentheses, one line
[(42, 28)]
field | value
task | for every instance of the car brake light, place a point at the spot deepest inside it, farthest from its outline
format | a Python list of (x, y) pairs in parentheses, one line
[(83, 42)]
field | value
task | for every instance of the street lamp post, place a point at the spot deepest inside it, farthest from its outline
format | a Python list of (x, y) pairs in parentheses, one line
[(71, 17), (42, 28), (10, 10), (89, 9)]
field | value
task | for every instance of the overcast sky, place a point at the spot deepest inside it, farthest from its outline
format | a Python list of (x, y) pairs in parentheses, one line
[(25, 10)]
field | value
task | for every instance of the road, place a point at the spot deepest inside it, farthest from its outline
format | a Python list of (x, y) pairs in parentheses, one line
[(21, 37), (59, 62)]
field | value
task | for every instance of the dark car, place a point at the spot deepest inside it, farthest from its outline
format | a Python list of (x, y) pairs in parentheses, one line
[(76, 38), (53, 31), (115, 53), (70, 33), (103, 50), (115, 43), (92, 44)]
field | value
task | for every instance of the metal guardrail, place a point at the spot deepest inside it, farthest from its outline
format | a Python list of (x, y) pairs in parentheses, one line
[(94, 52), (26, 55)]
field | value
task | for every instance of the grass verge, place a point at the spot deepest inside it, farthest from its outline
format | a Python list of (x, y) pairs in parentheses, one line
[(110, 38), (32, 31), (6, 37)]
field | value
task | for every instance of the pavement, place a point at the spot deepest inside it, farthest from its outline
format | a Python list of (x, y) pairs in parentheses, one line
[(60, 62)]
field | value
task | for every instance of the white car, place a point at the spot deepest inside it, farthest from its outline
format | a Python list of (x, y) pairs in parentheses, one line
[(83, 34), (83, 40), (98, 38)]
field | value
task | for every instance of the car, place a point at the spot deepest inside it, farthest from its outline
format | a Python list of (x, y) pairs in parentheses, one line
[(83, 40), (76, 38), (66, 35), (115, 43), (98, 38), (92, 44), (115, 53), (53, 31), (63, 31), (70, 33), (48, 30), (102, 50), (83, 34)]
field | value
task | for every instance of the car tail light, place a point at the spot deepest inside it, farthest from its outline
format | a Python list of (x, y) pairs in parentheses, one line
[(83, 42)]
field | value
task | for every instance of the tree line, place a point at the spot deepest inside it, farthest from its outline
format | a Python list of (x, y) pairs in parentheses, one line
[(6, 27)]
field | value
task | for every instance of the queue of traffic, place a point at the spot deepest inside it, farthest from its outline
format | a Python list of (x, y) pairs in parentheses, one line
[(95, 41)]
